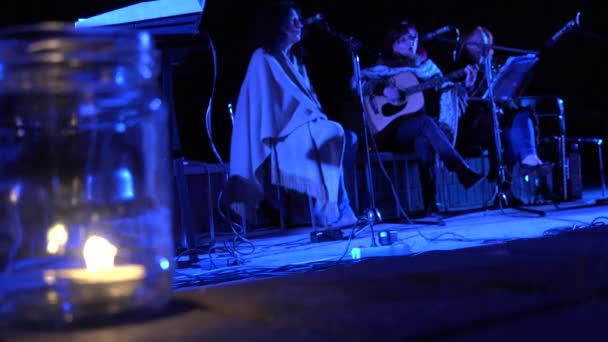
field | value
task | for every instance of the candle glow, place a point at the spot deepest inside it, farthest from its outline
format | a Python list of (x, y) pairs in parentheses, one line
[(99, 254), (56, 238)]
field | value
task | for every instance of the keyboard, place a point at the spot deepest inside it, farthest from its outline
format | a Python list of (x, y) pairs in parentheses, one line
[(159, 17)]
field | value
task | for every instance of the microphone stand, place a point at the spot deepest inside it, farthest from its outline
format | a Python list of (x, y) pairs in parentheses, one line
[(501, 182), (371, 214)]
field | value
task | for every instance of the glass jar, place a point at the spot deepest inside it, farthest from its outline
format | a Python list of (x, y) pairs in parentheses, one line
[(85, 211)]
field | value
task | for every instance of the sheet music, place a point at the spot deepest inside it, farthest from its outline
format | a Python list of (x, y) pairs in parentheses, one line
[(507, 83), (147, 10)]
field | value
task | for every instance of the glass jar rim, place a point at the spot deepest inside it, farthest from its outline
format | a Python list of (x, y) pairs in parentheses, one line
[(56, 42)]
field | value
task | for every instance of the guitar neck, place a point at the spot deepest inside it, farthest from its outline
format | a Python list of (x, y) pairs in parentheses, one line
[(435, 82)]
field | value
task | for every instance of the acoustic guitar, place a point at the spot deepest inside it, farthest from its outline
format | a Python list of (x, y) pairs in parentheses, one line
[(380, 111)]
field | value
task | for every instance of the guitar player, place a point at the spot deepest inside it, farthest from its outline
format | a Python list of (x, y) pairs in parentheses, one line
[(398, 118)]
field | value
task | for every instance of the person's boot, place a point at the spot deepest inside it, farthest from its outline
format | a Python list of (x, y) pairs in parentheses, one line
[(494, 171), (467, 177)]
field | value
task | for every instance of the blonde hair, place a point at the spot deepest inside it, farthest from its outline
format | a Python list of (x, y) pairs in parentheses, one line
[(485, 33)]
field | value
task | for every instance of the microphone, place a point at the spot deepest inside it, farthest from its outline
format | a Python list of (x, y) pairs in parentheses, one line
[(457, 48), (313, 20), (437, 32), (572, 24)]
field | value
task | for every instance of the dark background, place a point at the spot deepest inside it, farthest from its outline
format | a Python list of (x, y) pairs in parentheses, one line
[(572, 69)]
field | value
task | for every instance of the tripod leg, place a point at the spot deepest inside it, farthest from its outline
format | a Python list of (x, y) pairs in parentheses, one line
[(528, 210), (501, 198), (498, 195)]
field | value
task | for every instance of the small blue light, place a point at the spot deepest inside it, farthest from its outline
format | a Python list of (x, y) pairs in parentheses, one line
[(155, 104), (356, 253), (120, 127), (119, 77), (123, 180), (164, 264)]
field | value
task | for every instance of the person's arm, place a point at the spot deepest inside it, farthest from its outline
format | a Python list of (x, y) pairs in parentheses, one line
[(376, 86), (470, 76)]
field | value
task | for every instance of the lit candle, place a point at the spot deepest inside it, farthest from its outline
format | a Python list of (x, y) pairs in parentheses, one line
[(99, 256), (99, 288)]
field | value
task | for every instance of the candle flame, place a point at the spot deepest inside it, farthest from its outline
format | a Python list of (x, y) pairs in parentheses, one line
[(99, 254), (56, 238)]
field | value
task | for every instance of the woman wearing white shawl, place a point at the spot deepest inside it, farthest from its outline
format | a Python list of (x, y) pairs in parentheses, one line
[(419, 130), (278, 120)]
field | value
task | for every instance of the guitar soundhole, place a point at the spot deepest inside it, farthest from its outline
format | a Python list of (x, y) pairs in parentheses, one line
[(389, 109)]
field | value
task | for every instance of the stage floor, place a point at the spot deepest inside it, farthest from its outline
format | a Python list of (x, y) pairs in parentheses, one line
[(263, 251)]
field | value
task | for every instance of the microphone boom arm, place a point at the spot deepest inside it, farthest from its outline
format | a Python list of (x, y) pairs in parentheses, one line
[(489, 46)]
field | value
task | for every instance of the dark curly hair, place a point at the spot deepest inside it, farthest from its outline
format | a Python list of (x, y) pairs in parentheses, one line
[(270, 19), (394, 32)]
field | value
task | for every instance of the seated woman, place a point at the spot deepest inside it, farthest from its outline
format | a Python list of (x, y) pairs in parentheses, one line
[(517, 123), (400, 130), (280, 133)]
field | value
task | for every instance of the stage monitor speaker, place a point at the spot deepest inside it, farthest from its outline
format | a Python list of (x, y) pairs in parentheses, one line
[(575, 183), (566, 182)]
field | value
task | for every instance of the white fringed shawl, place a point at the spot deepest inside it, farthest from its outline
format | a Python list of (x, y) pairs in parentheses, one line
[(275, 99)]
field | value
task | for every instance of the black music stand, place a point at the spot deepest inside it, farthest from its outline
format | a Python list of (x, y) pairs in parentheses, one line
[(508, 84), (511, 78)]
